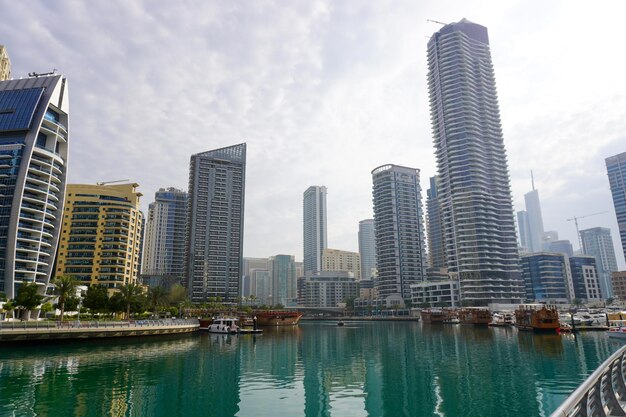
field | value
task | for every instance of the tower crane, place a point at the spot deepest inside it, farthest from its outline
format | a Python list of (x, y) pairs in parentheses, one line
[(111, 182), (575, 220), (436, 21)]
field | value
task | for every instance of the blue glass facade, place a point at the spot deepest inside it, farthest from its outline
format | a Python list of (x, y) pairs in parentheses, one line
[(585, 278), (545, 277), (616, 170)]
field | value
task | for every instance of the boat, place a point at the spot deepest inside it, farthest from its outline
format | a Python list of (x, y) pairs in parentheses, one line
[(278, 318), (502, 320), (618, 332), (340, 323), (433, 315), (475, 316), (224, 325), (537, 318)]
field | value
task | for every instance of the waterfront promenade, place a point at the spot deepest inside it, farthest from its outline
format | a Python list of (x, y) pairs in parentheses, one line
[(34, 331)]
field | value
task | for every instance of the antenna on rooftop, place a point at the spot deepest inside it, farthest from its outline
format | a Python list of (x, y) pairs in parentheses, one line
[(436, 21), (532, 179), (111, 182), (43, 74)]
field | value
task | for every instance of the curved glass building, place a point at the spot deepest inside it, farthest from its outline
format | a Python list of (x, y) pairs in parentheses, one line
[(474, 189), (33, 166)]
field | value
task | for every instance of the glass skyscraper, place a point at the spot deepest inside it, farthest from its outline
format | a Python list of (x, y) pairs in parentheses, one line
[(436, 253), (164, 242), (314, 228), (474, 189), (367, 248), (215, 223), (598, 242), (33, 153), (399, 229), (616, 170)]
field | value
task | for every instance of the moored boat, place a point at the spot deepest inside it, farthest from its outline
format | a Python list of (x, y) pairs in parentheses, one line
[(537, 318), (618, 332), (278, 318), (433, 315), (475, 316), (225, 325)]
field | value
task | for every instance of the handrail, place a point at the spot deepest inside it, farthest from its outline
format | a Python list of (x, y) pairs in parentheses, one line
[(602, 393), (74, 324)]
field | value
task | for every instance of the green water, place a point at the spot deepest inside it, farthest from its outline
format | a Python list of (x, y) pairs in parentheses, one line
[(316, 369)]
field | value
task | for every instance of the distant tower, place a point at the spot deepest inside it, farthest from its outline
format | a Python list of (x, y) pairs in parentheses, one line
[(400, 253), (367, 248), (164, 243), (34, 142), (616, 170), (524, 230), (314, 228), (474, 189), (5, 64), (597, 242), (284, 282), (215, 223), (436, 252), (535, 219)]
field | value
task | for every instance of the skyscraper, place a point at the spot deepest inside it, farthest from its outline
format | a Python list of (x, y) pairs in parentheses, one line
[(597, 242), (400, 253), (436, 253), (474, 192), (33, 148), (342, 260), (101, 235), (314, 228), (5, 64), (215, 223), (164, 243), (535, 220), (616, 170), (284, 282), (367, 248), (524, 230)]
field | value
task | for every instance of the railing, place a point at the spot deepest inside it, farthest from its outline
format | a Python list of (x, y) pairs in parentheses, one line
[(77, 324), (602, 394)]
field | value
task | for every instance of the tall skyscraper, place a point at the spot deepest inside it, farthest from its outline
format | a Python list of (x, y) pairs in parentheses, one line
[(284, 281), (597, 242), (547, 277), (436, 252), (164, 243), (367, 248), (524, 230), (5, 64), (33, 148), (535, 220), (400, 252), (101, 235), (215, 223), (616, 170), (314, 228), (474, 190)]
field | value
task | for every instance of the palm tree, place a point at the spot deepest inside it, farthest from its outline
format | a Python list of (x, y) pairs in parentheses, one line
[(157, 297), (130, 294), (65, 288)]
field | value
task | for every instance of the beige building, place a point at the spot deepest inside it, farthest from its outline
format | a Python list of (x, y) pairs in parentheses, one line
[(101, 234), (341, 261), (619, 284), (5, 64)]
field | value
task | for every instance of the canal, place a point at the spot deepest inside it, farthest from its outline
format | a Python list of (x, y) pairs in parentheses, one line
[(316, 369)]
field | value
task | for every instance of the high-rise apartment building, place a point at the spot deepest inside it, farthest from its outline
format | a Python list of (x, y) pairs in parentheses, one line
[(559, 246), (367, 248), (327, 289), (284, 280), (585, 278), (547, 277), (342, 260), (33, 149), (101, 234), (314, 228), (619, 284), (215, 223), (474, 190), (5, 64), (400, 252), (436, 252), (250, 267), (598, 242), (616, 170), (524, 230), (535, 221), (164, 242)]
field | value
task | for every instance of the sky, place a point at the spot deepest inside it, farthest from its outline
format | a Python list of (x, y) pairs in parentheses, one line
[(323, 92)]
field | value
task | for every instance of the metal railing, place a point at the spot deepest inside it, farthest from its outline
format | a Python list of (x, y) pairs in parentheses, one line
[(602, 394), (76, 324)]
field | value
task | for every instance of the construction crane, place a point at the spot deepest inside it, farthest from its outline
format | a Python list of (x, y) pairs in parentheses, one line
[(575, 220), (111, 182), (436, 21)]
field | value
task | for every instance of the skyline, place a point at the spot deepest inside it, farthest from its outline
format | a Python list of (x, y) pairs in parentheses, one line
[(324, 92)]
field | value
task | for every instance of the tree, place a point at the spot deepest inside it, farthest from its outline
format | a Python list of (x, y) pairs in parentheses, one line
[(157, 298), (28, 297), (177, 294), (96, 299), (577, 302), (65, 288), (131, 293), (3, 296), (46, 308), (609, 301)]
